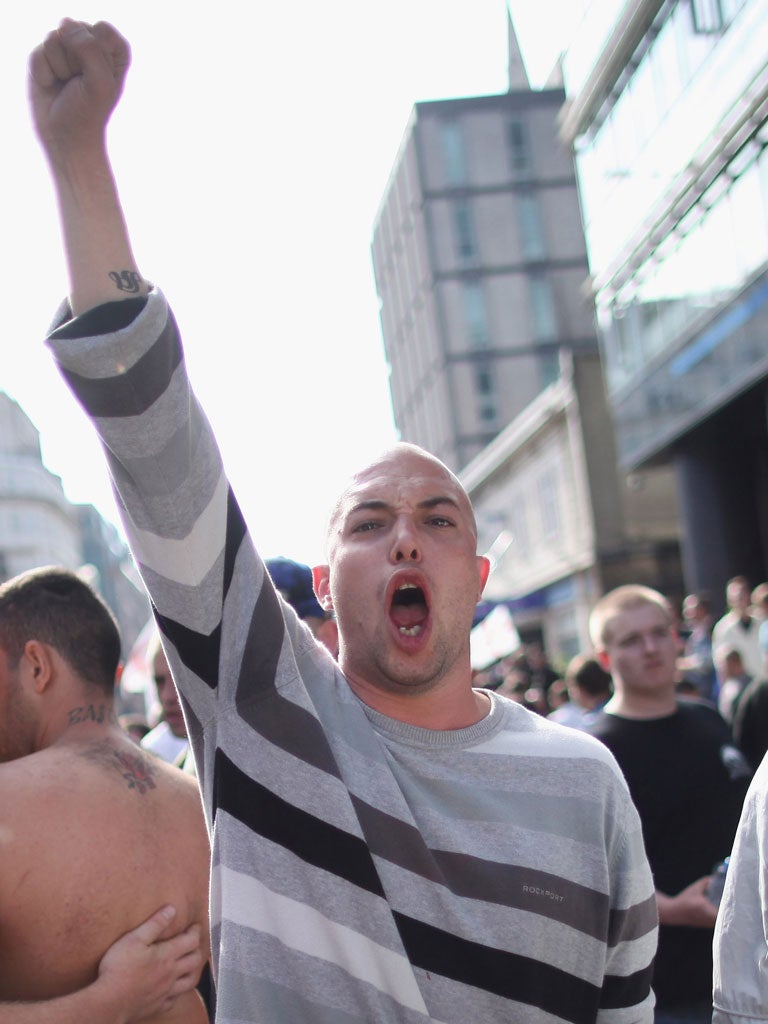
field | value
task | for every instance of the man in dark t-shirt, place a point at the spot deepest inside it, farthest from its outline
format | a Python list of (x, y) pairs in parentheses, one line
[(687, 780)]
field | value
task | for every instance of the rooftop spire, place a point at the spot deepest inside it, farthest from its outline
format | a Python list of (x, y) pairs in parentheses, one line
[(516, 73)]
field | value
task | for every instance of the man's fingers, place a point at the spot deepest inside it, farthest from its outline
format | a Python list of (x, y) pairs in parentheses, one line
[(191, 963), (185, 982), (76, 45), (114, 44), (53, 63), (186, 942), (151, 929)]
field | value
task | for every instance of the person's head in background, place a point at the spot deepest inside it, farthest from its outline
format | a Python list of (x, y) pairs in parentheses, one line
[(171, 712), (697, 610), (738, 596), (59, 646), (759, 600), (293, 580), (589, 684), (730, 663)]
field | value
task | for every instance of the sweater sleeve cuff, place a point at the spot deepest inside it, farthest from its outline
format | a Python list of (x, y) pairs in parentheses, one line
[(104, 319)]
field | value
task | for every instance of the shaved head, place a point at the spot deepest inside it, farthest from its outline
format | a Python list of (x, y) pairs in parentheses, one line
[(419, 462)]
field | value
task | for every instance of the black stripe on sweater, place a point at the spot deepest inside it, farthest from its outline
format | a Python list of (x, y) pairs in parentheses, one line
[(630, 991), (311, 839), (518, 978), (199, 652), (135, 390)]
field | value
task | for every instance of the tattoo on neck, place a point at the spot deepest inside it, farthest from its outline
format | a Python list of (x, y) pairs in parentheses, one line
[(98, 713), (126, 281), (137, 771)]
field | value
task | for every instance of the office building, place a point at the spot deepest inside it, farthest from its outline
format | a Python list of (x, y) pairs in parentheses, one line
[(479, 260), (40, 526), (667, 114)]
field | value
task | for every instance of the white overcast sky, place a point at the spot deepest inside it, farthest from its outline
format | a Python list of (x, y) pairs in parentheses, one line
[(252, 147)]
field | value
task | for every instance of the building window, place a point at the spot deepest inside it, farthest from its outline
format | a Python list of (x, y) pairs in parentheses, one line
[(484, 380), (707, 16), (529, 220), (475, 318), (488, 412), (484, 388), (465, 235), (543, 316), (549, 368), (453, 153), (517, 145)]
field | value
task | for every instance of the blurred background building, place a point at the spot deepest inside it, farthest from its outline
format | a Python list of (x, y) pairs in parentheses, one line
[(666, 113), (40, 526)]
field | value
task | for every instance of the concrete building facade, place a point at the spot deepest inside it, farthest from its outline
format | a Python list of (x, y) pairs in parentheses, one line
[(479, 260), (560, 525), (40, 526)]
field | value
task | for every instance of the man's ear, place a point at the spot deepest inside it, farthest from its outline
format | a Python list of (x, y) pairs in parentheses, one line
[(37, 665), (484, 570), (321, 581), (604, 659)]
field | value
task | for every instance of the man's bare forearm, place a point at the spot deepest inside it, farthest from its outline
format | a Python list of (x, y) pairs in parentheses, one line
[(93, 1004), (99, 257), (75, 80)]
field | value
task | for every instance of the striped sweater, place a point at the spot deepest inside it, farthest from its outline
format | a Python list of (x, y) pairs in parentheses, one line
[(363, 870)]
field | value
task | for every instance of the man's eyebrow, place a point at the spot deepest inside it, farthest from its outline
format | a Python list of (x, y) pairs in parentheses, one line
[(371, 505), (439, 499)]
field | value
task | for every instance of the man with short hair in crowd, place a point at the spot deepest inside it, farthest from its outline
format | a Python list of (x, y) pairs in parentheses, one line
[(589, 690), (94, 835), (696, 662), (390, 844), (739, 628), (168, 739), (687, 781)]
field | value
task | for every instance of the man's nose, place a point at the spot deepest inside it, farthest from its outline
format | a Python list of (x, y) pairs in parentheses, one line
[(405, 544)]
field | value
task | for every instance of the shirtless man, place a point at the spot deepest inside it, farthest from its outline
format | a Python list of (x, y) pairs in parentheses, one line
[(94, 834)]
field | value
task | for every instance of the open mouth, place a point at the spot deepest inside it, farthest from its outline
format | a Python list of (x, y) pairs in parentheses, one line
[(409, 610)]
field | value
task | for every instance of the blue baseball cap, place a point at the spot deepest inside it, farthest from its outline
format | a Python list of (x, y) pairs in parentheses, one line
[(294, 581)]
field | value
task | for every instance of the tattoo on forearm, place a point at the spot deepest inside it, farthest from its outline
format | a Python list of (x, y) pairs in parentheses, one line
[(137, 771), (99, 713), (126, 281)]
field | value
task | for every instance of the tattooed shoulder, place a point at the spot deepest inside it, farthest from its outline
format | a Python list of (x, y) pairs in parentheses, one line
[(136, 767)]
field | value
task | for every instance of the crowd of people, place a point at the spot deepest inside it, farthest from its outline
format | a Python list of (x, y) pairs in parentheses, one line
[(334, 811)]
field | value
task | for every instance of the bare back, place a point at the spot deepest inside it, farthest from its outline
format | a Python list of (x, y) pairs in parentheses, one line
[(94, 837)]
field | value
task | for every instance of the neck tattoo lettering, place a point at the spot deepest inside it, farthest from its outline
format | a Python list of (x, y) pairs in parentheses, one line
[(98, 713)]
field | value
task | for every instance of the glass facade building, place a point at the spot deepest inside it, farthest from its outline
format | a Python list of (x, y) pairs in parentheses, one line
[(667, 114)]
